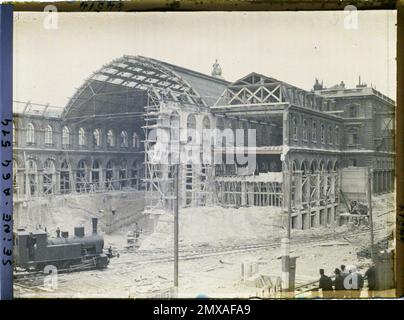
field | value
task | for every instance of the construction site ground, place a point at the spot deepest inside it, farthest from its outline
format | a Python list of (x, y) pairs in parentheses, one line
[(214, 242)]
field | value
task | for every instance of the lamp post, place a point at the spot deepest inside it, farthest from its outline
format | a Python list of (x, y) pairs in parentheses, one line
[(285, 243), (176, 209), (176, 205), (370, 212)]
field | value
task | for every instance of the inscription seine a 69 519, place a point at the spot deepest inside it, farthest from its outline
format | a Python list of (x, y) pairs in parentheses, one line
[(6, 203)]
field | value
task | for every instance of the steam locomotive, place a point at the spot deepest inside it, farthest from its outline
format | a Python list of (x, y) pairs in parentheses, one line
[(35, 250)]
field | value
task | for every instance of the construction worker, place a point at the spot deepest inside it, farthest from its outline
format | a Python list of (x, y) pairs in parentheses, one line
[(326, 285)]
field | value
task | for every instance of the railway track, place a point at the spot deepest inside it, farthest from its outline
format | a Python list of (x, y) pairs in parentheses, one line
[(191, 254), (145, 257)]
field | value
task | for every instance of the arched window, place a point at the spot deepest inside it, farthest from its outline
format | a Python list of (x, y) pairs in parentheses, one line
[(109, 173), (174, 128), (123, 173), (220, 123), (135, 141), (81, 176), (30, 133), (322, 134), (65, 136), (135, 175), (48, 135), (32, 176), (49, 177), (110, 138), (220, 137), (336, 137), (65, 177), (206, 123), (294, 136), (304, 167), (97, 137), (191, 127), (82, 137), (95, 173), (124, 139), (329, 135), (305, 131), (206, 138), (314, 131)]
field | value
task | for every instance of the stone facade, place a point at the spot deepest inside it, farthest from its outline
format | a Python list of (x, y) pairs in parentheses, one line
[(100, 140)]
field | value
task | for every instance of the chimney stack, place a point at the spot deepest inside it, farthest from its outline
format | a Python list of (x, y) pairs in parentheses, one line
[(95, 222)]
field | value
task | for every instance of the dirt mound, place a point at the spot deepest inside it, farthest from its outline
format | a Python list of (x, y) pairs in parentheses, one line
[(69, 211), (215, 225)]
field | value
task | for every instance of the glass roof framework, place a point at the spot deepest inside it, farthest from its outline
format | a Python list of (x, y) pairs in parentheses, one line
[(36, 109), (131, 76), (255, 89)]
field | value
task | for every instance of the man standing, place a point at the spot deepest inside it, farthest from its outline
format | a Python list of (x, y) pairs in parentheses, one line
[(344, 272), (326, 285), (370, 276), (339, 284), (31, 243)]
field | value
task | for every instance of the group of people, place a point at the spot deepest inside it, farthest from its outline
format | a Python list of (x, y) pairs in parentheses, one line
[(347, 282)]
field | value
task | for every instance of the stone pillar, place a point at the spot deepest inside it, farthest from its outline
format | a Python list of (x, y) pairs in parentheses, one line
[(299, 220), (388, 183), (103, 181), (318, 186), (40, 182), (72, 181), (326, 174), (383, 183), (307, 191), (332, 187), (379, 182), (332, 215), (317, 217), (285, 128), (298, 189), (20, 183), (27, 184)]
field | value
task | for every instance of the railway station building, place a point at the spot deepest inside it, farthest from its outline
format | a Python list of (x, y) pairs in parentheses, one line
[(257, 141)]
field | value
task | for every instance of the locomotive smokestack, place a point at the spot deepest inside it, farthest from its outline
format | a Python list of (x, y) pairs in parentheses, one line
[(95, 222)]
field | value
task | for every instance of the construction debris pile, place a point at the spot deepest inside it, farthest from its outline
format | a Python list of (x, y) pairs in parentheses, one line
[(216, 225)]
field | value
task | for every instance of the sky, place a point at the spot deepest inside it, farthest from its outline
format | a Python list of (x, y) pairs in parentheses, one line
[(295, 47)]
